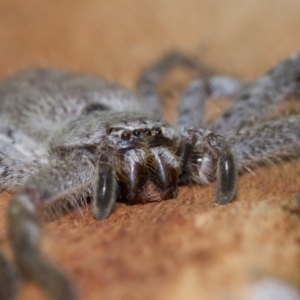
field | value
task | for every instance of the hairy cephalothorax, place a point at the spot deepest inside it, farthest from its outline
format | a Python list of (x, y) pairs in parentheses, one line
[(65, 137)]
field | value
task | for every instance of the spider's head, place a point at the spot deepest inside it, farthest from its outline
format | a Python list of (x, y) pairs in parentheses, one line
[(148, 169)]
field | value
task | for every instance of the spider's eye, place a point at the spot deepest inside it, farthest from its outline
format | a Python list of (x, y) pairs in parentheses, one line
[(148, 132), (156, 131), (125, 135), (136, 132), (199, 160)]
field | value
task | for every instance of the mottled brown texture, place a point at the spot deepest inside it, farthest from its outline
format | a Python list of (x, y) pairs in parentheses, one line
[(188, 248)]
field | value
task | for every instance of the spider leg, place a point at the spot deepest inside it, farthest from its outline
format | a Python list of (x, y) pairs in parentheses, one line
[(21, 141), (191, 110), (15, 172), (216, 159), (17, 162), (257, 99), (269, 141), (226, 173), (227, 178), (147, 84), (75, 173), (106, 184), (192, 103), (9, 279)]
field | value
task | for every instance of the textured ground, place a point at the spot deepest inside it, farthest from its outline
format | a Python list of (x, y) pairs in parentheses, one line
[(187, 248)]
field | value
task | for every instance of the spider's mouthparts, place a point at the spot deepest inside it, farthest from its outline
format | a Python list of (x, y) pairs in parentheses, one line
[(154, 182), (152, 193)]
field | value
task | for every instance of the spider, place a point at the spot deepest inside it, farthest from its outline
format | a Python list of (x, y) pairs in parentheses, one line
[(65, 137)]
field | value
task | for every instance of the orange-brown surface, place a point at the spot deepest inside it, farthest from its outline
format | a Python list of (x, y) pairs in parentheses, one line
[(188, 248)]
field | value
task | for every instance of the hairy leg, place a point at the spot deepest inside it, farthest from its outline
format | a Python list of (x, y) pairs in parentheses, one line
[(9, 279), (257, 99), (20, 157), (205, 157), (191, 110), (192, 103), (147, 84), (75, 173), (267, 143), (15, 172)]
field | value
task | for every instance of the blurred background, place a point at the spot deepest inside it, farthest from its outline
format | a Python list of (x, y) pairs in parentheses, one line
[(172, 250), (117, 39)]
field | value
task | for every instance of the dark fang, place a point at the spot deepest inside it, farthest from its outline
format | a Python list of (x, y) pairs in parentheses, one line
[(185, 149), (226, 178), (104, 191), (132, 183)]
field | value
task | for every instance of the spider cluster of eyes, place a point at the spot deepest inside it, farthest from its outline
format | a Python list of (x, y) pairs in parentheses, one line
[(126, 134)]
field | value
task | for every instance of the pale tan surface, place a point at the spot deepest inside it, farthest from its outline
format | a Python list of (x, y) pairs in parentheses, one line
[(187, 248)]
